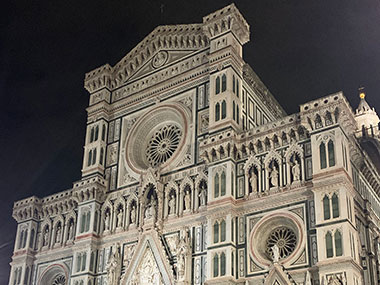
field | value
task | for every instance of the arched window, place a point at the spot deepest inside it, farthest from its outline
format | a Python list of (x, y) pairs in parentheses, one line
[(94, 156), (217, 112), (224, 109), (237, 88), (322, 155), (104, 132), (88, 217), (216, 232), (329, 245), (92, 260), (96, 133), (24, 240), (335, 205), (217, 85), (233, 84), (233, 111), (21, 238), (223, 231), (31, 241), (83, 222), (26, 277), (224, 83), (84, 257), (79, 259), (216, 185), (92, 135), (222, 264), (223, 184), (330, 147), (326, 208), (237, 114), (338, 243), (216, 265), (101, 156)]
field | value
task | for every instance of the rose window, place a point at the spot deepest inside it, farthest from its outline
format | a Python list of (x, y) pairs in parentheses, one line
[(59, 280), (163, 144), (284, 238)]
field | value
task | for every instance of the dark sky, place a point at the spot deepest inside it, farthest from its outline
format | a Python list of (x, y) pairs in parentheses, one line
[(302, 50)]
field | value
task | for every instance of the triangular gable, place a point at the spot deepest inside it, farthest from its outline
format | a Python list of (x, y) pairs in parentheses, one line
[(277, 276), (149, 257)]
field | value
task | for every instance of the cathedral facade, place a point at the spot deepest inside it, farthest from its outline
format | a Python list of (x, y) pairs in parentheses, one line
[(194, 174)]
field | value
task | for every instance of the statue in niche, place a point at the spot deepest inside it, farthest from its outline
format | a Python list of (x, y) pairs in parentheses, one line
[(107, 222), (202, 196), (45, 240), (276, 253), (120, 218), (58, 234), (71, 230), (171, 205), (150, 211), (296, 171), (187, 201), (133, 215), (274, 177), (114, 267), (253, 182), (153, 208), (183, 251)]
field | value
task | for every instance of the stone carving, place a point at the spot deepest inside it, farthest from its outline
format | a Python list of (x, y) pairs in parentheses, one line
[(112, 154), (45, 240), (296, 171), (171, 205), (147, 272), (107, 222), (172, 243), (150, 211), (128, 254), (58, 234), (160, 59), (202, 196), (133, 215), (276, 253), (187, 201), (70, 233), (120, 218), (253, 182), (183, 252), (114, 267), (274, 177)]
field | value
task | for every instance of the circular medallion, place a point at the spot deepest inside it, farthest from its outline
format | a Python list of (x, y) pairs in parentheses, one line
[(160, 59)]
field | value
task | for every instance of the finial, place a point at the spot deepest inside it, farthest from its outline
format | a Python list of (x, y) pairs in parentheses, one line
[(361, 93)]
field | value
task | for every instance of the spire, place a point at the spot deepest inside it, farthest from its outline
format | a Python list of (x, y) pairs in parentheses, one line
[(363, 105)]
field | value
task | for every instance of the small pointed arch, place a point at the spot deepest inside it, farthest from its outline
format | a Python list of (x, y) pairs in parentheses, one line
[(224, 82), (294, 148), (217, 85), (92, 135), (335, 205), (224, 109), (318, 121), (322, 155), (216, 232), (331, 152), (187, 182), (215, 265), (217, 112), (326, 207), (328, 119), (338, 243), (96, 133), (329, 245), (272, 155)]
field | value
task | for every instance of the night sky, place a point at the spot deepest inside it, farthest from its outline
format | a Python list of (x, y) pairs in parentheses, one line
[(301, 50)]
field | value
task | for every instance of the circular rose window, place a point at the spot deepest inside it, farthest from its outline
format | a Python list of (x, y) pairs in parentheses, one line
[(158, 138), (284, 238)]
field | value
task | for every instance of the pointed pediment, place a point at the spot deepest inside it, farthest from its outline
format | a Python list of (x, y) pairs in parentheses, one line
[(149, 264), (277, 276)]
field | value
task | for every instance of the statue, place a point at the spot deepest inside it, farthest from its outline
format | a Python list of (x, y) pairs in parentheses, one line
[(46, 237), (183, 251), (187, 201), (148, 211), (133, 215), (276, 253), (203, 196), (172, 205), (114, 267), (296, 171), (120, 218), (58, 235), (107, 222), (274, 177), (308, 278), (70, 231), (253, 182), (153, 208)]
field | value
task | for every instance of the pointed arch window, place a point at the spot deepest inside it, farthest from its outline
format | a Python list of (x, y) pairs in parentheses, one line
[(101, 156), (222, 264), (89, 158), (322, 155), (223, 231), (216, 185), (331, 150), (237, 88), (335, 205), (216, 265), (84, 257), (217, 112), (338, 243), (31, 241), (92, 135), (233, 111), (216, 232), (233, 84), (217, 85), (21, 238), (94, 156), (224, 82), (326, 207), (237, 114), (329, 245), (223, 184), (104, 132), (24, 240), (96, 133), (224, 109)]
